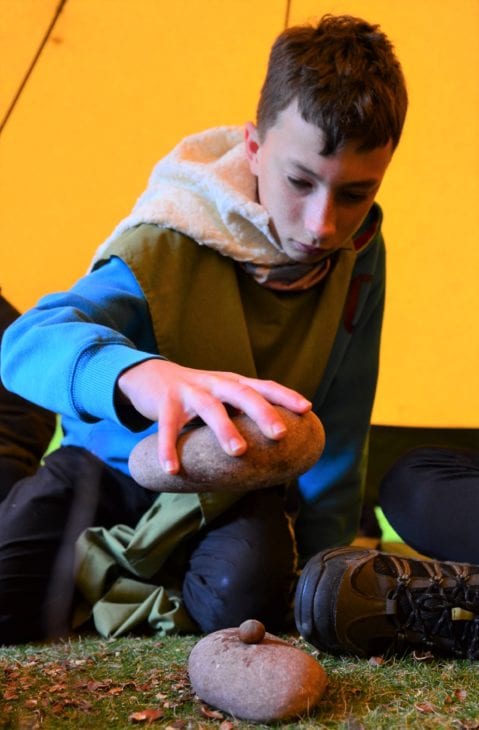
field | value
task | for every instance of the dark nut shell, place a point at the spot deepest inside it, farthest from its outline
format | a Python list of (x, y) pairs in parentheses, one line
[(205, 467), (251, 631)]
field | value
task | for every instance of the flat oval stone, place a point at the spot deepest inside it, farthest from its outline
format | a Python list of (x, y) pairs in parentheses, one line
[(205, 467), (262, 682)]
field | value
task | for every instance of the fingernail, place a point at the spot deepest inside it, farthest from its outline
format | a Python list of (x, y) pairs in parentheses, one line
[(278, 429), (169, 467), (236, 446)]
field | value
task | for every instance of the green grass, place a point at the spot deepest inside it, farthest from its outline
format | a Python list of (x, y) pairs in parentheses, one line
[(94, 683)]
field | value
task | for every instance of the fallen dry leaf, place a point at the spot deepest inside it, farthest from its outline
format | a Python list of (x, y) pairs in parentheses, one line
[(56, 688), (459, 696), (147, 716), (425, 707), (94, 686), (423, 656), (57, 708), (211, 714), (10, 694)]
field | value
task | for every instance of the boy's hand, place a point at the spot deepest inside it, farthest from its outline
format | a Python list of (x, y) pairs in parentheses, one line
[(173, 395)]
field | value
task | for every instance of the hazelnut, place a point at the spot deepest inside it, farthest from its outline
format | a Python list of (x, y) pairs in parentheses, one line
[(251, 631)]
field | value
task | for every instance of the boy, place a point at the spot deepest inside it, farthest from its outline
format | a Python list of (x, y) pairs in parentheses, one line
[(250, 274)]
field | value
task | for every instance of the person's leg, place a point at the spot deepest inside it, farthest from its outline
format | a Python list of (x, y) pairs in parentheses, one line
[(431, 498), (244, 566), (41, 518), (25, 429), (365, 601)]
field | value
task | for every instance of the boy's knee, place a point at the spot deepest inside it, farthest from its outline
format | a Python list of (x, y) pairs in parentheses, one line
[(220, 593)]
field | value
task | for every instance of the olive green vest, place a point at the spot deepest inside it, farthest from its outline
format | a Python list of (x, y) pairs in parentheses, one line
[(208, 313)]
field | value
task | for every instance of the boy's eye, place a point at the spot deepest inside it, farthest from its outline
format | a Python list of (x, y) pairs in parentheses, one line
[(299, 183), (350, 197)]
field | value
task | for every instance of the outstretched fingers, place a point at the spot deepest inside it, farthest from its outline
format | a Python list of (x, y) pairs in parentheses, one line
[(257, 398), (173, 416), (213, 412), (278, 394), (174, 395), (169, 426)]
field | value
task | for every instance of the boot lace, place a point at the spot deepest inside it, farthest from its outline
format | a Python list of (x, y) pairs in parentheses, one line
[(440, 607)]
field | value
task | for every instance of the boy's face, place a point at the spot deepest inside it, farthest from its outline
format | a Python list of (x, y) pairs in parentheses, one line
[(316, 203)]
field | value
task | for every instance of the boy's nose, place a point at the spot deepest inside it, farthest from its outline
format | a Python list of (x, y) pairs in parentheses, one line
[(320, 217)]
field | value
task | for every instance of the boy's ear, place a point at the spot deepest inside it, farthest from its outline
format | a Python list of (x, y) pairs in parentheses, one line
[(252, 145)]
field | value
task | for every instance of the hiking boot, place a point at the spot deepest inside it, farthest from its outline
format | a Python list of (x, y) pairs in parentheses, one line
[(367, 603)]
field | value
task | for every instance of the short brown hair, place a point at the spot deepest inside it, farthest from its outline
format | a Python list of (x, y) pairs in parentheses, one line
[(346, 80)]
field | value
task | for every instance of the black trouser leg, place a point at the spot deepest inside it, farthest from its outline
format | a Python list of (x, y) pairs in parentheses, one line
[(431, 498), (40, 520), (243, 566), (25, 429)]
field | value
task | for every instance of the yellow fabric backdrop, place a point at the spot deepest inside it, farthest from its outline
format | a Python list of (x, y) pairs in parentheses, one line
[(120, 81)]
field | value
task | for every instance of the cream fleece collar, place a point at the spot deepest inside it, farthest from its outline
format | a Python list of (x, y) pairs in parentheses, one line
[(204, 189)]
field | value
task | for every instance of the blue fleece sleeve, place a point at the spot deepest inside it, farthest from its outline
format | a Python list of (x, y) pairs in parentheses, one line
[(331, 492), (67, 353)]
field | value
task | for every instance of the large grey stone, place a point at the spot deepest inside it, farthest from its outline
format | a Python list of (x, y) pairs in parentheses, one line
[(261, 682), (205, 467)]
